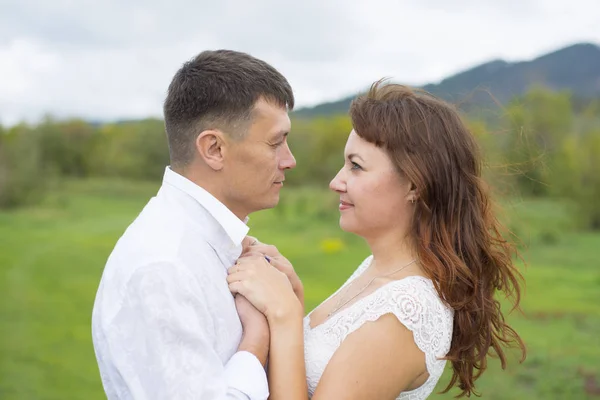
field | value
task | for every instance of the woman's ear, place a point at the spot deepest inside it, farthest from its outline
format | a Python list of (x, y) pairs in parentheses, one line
[(413, 194), (210, 146)]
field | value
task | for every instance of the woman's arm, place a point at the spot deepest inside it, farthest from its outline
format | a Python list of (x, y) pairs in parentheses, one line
[(377, 361), (287, 373)]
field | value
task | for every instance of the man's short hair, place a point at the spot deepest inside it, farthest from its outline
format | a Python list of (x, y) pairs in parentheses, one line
[(218, 90)]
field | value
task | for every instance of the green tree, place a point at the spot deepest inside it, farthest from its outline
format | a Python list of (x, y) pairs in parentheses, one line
[(23, 178), (538, 122), (66, 145), (579, 177), (318, 146), (136, 150)]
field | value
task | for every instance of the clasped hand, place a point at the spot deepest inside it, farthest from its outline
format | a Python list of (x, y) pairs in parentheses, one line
[(269, 283)]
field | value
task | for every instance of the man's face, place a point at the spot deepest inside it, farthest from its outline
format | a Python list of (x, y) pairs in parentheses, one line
[(255, 166)]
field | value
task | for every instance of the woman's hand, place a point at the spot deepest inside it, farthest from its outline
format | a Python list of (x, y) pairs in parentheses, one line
[(253, 247), (267, 288)]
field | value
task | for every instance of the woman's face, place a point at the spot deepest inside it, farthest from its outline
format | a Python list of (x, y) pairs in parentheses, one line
[(374, 198)]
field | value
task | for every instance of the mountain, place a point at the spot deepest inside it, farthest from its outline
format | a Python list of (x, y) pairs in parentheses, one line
[(575, 68)]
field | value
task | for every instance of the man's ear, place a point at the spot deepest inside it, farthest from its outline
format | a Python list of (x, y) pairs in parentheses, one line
[(210, 147)]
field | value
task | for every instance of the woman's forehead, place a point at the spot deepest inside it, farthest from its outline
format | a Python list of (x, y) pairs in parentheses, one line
[(358, 145)]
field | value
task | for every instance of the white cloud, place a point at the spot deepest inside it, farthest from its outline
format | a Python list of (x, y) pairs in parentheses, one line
[(111, 59)]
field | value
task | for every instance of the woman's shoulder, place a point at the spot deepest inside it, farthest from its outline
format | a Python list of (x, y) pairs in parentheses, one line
[(416, 294), (418, 306)]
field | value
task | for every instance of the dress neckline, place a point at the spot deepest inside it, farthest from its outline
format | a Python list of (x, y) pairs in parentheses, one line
[(340, 312)]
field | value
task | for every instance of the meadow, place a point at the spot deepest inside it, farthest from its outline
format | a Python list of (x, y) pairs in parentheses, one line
[(52, 256)]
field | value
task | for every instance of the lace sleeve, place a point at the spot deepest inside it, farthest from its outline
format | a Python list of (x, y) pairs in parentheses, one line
[(416, 304)]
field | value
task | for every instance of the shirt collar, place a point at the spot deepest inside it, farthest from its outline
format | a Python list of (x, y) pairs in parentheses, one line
[(235, 228)]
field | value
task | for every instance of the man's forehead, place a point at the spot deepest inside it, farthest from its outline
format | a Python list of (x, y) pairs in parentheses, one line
[(266, 107), (271, 124)]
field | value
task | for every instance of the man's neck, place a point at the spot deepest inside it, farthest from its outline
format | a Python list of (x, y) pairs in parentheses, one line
[(206, 180)]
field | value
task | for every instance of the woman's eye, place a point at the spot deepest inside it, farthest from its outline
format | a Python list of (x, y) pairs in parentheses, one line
[(355, 165)]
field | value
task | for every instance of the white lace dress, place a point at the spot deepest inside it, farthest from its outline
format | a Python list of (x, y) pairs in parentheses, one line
[(416, 304)]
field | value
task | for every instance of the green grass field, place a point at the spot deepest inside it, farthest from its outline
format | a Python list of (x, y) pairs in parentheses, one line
[(51, 259)]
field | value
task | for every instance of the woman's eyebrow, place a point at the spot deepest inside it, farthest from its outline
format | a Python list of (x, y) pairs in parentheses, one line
[(352, 155)]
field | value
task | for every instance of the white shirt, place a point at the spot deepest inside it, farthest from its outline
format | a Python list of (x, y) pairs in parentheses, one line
[(164, 323)]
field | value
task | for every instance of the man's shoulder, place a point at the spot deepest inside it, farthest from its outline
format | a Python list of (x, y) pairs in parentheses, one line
[(156, 227), (158, 234)]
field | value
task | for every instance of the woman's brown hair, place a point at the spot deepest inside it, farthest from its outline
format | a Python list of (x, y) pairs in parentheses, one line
[(458, 239)]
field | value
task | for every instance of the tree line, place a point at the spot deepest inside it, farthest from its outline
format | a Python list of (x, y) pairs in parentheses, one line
[(541, 144)]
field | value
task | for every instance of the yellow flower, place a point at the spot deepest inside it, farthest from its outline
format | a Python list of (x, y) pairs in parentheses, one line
[(332, 245)]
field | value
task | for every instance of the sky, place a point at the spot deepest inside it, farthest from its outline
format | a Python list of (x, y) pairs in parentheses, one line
[(108, 59)]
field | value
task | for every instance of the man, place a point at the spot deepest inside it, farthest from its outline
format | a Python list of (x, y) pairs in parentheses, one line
[(164, 323)]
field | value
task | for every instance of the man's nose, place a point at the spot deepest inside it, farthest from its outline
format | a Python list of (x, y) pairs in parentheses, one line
[(288, 161)]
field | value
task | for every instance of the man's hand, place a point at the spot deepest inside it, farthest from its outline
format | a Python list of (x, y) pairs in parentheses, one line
[(253, 247), (255, 338)]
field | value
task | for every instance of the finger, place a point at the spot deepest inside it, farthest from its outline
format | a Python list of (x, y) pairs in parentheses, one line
[(253, 240), (252, 261), (256, 255), (249, 242), (252, 253), (240, 288), (249, 261), (281, 266), (237, 268), (234, 269), (242, 275), (267, 249), (236, 288)]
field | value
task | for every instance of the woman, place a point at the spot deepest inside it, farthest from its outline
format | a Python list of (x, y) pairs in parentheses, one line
[(411, 187)]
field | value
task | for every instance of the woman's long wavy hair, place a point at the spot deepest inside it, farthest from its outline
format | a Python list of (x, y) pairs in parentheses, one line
[(458, 239)]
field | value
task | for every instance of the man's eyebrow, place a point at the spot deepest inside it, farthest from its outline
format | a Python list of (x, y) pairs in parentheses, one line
[(280, 135)]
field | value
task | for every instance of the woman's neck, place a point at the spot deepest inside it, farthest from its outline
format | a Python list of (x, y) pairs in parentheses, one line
[(390, 251)]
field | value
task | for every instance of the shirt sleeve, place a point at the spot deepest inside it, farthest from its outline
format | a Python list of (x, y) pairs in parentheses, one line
[(161, 343)]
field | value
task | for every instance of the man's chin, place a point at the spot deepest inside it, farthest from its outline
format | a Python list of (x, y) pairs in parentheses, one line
[(267, 204), (274, 202)]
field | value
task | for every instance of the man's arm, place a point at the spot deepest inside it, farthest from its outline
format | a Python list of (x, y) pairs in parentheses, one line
[(255, 338), (162, 343)]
